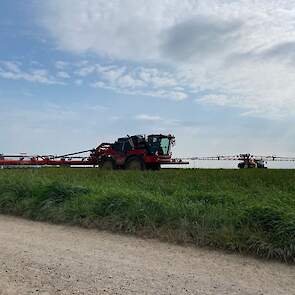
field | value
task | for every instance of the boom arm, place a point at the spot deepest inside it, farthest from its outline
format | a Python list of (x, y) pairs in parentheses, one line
[(242, 157)]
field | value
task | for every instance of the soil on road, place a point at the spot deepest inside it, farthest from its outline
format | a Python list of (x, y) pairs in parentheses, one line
[(39, 258)]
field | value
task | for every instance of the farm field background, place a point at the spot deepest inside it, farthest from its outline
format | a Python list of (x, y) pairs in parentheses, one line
[(248, 211)]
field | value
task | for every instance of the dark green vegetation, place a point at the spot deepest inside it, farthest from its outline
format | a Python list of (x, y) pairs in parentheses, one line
[(250, 211)]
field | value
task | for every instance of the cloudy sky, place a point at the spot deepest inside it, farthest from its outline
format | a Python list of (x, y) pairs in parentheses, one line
[(217, 74)]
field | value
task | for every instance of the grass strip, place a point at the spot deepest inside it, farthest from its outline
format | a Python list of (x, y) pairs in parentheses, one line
[(248, 211)]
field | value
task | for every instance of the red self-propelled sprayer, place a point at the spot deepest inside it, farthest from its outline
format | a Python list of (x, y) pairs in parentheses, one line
[(136, 152)]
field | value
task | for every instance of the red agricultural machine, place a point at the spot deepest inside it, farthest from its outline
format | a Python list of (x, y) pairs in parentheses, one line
[(136, 152), (246, 160)]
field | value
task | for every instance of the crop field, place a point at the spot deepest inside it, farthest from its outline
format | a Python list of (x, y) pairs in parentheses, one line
[(247, 211)]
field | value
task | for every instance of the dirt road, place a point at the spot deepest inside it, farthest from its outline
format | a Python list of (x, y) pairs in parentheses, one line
[(38, 258)]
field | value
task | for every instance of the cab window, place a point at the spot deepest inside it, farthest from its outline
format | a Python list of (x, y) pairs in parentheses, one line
[(165, 145)]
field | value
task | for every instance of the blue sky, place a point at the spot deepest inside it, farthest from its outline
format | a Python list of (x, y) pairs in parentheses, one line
[(217, 74)]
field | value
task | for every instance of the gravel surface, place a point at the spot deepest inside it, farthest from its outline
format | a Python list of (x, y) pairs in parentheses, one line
[(39, 258)]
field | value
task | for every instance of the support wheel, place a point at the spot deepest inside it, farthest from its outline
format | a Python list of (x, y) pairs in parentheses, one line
[(107, 164), (135, 163), (154, 167)]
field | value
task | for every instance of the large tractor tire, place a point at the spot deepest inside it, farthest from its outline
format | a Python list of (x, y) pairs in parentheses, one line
[(154, 167), (135, 163), (107, 164)]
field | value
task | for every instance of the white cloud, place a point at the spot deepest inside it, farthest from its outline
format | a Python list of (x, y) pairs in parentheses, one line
[(135, 29), (111, 74), (63, 75), (85, 70), (13, 71), (127, 81), (157, 120), (61, 65), (107, 28), (168, 94), (139, 81), (157, 78), (145, 117), (221, 100), (11, 66), (239, 53)]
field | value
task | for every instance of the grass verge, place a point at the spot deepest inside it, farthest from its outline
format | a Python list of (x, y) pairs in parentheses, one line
[(249, 211)]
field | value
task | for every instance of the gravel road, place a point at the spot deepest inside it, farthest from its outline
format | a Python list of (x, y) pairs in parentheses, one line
[(39, 258)]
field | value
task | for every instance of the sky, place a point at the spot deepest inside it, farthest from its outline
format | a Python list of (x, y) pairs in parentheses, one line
[(219, 75)]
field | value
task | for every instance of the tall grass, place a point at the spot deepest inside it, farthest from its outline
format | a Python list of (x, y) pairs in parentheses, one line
[(249, 211)]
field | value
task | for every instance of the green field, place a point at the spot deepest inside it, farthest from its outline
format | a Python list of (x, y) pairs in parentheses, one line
[(249, 211)]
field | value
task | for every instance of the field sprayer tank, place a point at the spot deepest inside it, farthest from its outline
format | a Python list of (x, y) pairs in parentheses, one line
[(136, 152)]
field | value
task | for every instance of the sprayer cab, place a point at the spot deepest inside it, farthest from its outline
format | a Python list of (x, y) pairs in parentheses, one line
[(160, 144)]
